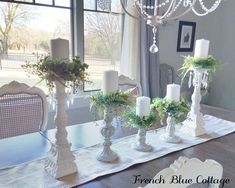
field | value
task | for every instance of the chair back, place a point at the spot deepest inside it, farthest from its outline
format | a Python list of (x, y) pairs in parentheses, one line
[(127, 84), (167, 76), (189, 169), (23, 109)]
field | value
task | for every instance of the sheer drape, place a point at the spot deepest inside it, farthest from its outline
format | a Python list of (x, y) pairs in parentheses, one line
[(130, 59), (137, 62)]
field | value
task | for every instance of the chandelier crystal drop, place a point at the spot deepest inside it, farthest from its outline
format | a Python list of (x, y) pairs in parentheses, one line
[(161, 11)]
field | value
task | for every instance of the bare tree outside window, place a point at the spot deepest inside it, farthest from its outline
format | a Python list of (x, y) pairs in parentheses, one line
[(25, 34), (11, 16), (105, 33)]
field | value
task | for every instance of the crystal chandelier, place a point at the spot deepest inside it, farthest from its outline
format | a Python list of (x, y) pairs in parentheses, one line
[(161, 11)]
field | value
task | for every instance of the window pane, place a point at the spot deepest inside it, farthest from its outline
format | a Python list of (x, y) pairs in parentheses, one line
[(64, 3), (116, 6), (48, 2), (29, 36), (89, 4), (26, 0), (104, 5), (102, 45)]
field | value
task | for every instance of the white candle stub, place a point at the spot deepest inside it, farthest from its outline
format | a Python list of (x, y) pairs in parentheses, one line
[(110, 81), (201, 48), (142, 106), (60, 49), (173, 92)]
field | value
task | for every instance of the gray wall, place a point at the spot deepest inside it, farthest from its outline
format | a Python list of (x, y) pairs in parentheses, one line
[(219, 28)]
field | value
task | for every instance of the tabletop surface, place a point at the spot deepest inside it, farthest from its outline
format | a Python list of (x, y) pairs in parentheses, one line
[(24, 148)]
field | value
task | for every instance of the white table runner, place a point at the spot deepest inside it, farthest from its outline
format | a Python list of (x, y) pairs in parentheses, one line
[(32, 174)]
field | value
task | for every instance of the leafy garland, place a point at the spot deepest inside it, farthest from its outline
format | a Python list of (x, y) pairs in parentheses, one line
[(209, 63), (176, 109), (50, 70), (145, 122), (117, 99)]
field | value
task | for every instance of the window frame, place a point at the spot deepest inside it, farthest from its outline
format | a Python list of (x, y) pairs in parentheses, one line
[(82, 36), (38, 4), (77, 11)]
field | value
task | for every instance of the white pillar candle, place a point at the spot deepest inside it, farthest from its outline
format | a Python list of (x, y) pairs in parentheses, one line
[(110, 81), (201, 48), (142, 106), (173, 92), (60, 49)]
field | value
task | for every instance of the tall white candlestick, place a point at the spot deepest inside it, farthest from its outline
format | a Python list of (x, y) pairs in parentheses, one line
[(142, 106), (173, 92), (60, 49), (110, 81), (201, 48)]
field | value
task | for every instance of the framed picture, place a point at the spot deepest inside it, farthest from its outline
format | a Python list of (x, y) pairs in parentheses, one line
[(186, 36)]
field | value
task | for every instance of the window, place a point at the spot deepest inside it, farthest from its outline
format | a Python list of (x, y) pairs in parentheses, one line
[(38, 21), (28, 37), (102, 38)]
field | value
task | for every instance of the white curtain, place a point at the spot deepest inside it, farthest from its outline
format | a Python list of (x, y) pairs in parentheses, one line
[(130, 58)]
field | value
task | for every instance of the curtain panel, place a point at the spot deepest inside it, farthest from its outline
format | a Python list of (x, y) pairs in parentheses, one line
[(137, 62)]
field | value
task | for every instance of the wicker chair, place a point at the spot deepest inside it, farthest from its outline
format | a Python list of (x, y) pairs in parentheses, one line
[(127, 84), (23, 109)]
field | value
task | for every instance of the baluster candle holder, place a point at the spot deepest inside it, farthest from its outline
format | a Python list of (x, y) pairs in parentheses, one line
[(60, 159), (140, 144), (107, 155), (169, 135), (194, 124)]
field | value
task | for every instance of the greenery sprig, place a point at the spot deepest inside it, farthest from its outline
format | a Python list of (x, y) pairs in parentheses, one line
[(176, 109), (145, 122), (209, 63), (50, 70), (117, 99)]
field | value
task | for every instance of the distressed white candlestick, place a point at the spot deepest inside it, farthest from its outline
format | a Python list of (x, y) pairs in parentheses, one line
[(60, 159), (107, 155), (172, 93), (194, 124), (140, 144), (142, 109), (169, 135)]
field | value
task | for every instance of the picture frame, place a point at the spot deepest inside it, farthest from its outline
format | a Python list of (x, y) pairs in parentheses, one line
[(186, 36)]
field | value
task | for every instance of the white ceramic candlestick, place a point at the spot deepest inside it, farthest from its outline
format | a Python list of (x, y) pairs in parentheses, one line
[(107, 155), (169, 135), (194, 124), (172, 93), (142, 109), (140, 144), (60, 159), (110, 85)]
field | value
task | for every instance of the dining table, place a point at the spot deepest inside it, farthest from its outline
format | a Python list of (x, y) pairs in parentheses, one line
[(24, 148)]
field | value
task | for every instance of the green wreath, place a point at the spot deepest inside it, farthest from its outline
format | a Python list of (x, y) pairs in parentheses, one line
[(50, 70), (209, 63), (145, 122), (176, 109)]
